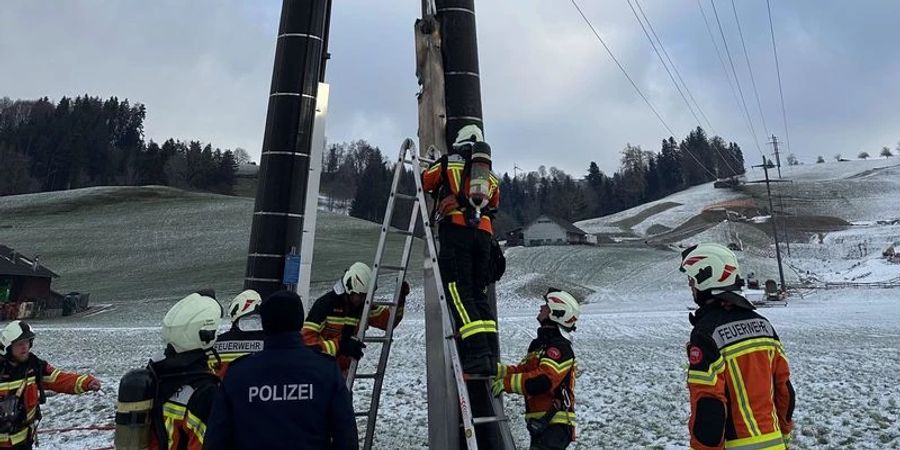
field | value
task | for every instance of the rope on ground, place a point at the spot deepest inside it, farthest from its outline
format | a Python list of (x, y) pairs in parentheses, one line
[(87, 428)]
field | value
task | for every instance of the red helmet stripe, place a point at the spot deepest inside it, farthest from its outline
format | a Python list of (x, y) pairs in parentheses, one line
[(693, 260), (727, 272)]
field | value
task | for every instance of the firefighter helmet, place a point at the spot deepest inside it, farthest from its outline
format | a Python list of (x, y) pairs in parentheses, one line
[(357, 278), (245, 303), (564, 309), (710, 266), (191, 324), (14, 331)]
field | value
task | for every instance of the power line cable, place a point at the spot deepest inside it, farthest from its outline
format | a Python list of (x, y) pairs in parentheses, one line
[(634, 85), (778, 71), (712, 39), (666, 67), (749, 67), (736, 79), (674, 67), (650, 25)]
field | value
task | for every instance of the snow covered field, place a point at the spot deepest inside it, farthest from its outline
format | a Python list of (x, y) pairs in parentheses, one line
[(844, 347), (843, 344)]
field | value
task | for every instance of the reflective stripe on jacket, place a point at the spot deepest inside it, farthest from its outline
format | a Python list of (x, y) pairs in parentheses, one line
[(739, 381), (433, 178), (21, 379), (550, 361), (331, 318)]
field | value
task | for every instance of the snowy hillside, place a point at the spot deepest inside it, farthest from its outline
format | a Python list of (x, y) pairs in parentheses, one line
[(843, 340)]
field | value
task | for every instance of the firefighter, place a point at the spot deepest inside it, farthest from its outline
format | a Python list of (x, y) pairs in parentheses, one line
[(546, 376), (184, 384), (23, 378), (334, 318), (286, 396), (245, 335), (739, 380), (465, 205)]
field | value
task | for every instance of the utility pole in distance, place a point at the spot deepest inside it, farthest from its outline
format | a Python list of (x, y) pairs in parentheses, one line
[(765, 167), (774, 144)]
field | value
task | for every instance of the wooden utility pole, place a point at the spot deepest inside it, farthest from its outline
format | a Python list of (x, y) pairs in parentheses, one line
[(765, 167), (774, 143)]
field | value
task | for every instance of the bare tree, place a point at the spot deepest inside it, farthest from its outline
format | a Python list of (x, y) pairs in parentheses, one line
[(792, 160), (863, 155), (886, 152), (241, 156)]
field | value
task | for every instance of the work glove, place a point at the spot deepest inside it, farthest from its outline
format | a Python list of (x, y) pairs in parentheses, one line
[(497, 387), (352, 347), (94, 385), (447, 205), (502, 370)]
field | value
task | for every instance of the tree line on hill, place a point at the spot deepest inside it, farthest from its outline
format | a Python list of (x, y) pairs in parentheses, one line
[(357, 173), (87, 141)]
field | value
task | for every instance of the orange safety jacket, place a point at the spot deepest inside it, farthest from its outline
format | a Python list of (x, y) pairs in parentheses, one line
[(739, 381), (331, 318), (186, 391), (21, 379), (540, 376), (450, 171)]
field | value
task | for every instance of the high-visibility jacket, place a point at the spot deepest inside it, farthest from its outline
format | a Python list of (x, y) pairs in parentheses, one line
[(22, 379), (450, 173), (232, 345), (332, 317), (739, 381), (186, 389), (546, 377)]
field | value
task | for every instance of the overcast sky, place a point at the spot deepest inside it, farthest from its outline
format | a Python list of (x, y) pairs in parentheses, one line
[(551, 94)]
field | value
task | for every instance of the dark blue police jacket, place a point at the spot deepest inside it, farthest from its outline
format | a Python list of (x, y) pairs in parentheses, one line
[(284, 397)]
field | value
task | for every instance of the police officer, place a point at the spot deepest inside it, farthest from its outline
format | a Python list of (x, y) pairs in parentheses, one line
[(245, 335), (546, 375), (285, 397), (739, 379)]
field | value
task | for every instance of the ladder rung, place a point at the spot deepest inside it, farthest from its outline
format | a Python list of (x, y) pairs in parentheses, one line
[(405, 196), (377, 339), (383, 303), (366, 376), (361, 413), (402, 232), (491, 419), (468, 377), (394, 268)]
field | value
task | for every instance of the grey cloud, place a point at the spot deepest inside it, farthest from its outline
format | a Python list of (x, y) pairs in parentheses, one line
[(551, 94)]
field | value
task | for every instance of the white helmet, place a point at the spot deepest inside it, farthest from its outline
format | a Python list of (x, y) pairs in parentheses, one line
[(192, 323), (710, 266), (564, 309), (14, 331), (357, 279), (245, 303)]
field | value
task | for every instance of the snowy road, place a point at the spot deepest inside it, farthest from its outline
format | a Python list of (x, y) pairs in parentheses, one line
[(844, 347)]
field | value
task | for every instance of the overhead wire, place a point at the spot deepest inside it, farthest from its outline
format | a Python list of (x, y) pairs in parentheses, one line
[(749, 67), (663, 62), (634, 85), (737, 81), (658, 55), (778, 71), (674, 67)]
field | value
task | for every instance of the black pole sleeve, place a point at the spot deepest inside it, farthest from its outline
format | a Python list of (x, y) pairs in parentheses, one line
[(284, 162)]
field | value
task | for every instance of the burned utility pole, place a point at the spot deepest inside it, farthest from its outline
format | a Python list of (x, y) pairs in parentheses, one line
[(278, 214)]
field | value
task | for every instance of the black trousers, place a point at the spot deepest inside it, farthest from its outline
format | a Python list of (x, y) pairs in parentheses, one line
[(464, 262), (554, 437)]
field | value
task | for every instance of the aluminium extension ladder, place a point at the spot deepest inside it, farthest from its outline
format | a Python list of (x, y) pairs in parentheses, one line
[(409, 156)]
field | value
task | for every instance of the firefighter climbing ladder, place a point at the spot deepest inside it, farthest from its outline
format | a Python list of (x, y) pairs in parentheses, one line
[(409, 156)]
